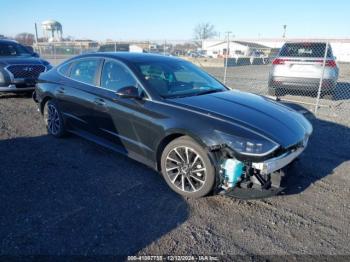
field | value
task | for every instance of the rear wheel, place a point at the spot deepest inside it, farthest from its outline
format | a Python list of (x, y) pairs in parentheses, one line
[(187, 169), (53, 119)]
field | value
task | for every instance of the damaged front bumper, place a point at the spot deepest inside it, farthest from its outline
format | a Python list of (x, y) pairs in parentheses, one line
[(262, 179), (271, 165)]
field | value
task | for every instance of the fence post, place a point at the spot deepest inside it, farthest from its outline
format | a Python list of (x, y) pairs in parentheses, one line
[(54, 54), (227, 56), (321, 78)]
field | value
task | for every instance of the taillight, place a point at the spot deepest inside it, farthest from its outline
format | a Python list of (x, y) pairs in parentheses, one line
[(331, 63), (278, 61)]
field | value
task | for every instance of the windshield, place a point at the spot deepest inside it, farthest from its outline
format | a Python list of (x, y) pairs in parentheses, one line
[(13, 49), (305, 50), (174, 78)]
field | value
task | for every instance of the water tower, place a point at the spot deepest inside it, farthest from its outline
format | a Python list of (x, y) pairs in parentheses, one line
[(52, 30)]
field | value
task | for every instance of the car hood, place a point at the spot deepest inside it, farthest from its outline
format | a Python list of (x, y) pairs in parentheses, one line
[(20, 60), (269, 118)]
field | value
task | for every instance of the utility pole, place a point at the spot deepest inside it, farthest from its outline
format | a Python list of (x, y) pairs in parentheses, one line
[(36, 33), (284, 31), (164, 46), (227, 54)]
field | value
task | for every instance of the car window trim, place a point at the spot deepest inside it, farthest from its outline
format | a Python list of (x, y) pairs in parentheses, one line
[(69, 63), (147, 97), (97, 85)]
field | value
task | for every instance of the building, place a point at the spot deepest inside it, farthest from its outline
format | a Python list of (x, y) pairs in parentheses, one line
[(134, 47), (217, 48), (66, 47)]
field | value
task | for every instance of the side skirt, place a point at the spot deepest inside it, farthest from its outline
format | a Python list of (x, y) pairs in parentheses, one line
[(107, 144)]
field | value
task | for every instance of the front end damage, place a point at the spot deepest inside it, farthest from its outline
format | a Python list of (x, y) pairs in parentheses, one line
[(250, 178)]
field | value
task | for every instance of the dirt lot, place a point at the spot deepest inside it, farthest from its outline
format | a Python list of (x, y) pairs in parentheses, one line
[(68, 196)]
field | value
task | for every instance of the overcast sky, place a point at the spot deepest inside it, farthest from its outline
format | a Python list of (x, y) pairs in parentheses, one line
[(162, 19)]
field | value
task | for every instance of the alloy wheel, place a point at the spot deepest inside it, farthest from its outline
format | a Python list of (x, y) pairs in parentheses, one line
[(53, 120), (186, 169)]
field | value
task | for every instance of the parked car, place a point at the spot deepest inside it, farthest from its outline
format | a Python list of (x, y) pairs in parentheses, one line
[(299, 67), (199, 54), (19, 67), (172, 116)]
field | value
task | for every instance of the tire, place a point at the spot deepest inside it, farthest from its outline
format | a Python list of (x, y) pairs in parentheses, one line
[(53, 119), (178, 168)]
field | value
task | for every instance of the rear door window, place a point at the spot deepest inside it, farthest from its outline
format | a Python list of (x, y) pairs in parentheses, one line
[(116, 76), (65, 69), (305, 50), (85, 71)]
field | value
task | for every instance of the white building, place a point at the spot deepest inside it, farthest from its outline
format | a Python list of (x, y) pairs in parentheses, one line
[(217, 48), (134, 48)]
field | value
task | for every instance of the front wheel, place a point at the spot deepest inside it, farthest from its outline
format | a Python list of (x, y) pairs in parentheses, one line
[(53, 119), (187, 169)]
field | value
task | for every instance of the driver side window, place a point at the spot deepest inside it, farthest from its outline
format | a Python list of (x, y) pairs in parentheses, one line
[(115, 76)]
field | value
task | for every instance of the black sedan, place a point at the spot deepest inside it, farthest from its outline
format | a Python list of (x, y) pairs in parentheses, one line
[(172, 116)]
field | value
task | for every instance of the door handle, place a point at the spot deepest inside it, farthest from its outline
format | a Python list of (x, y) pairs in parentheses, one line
[(99, 102), (60, 90)]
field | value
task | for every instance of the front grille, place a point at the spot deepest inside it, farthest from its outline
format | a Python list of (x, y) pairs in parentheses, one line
[(26, 71)]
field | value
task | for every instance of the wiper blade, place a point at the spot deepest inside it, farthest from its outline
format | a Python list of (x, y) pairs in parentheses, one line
[(209, 92), (195, 94)]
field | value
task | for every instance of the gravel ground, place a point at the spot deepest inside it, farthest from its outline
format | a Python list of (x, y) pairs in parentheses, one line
[(68, 196)]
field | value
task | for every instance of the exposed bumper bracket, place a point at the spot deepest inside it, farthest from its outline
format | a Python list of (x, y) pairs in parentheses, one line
[(271, 165)]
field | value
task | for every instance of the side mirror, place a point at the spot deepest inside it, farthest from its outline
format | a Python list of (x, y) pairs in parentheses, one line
[(129, 92), (34, 54)]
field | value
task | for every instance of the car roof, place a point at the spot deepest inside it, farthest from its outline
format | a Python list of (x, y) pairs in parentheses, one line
[(304, 42), (9, 41), (131, 57)]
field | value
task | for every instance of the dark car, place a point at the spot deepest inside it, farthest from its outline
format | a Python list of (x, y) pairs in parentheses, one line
[(19, 67), (175, 118)]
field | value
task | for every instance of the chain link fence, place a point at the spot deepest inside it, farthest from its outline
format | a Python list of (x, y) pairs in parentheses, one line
[(313, 73)]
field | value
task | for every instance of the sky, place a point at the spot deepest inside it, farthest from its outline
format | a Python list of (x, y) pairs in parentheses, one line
[(176, 19)]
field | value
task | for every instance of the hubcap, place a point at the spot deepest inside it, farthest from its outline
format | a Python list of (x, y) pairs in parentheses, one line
[(53, 120), (185, 169)]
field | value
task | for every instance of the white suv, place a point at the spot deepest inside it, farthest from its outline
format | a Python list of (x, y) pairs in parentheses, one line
[(298, 68)]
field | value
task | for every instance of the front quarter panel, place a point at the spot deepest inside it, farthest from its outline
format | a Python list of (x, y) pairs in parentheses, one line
[(177, 120)]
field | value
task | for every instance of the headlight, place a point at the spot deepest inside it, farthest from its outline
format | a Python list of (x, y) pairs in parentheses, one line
[(254, 145)]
